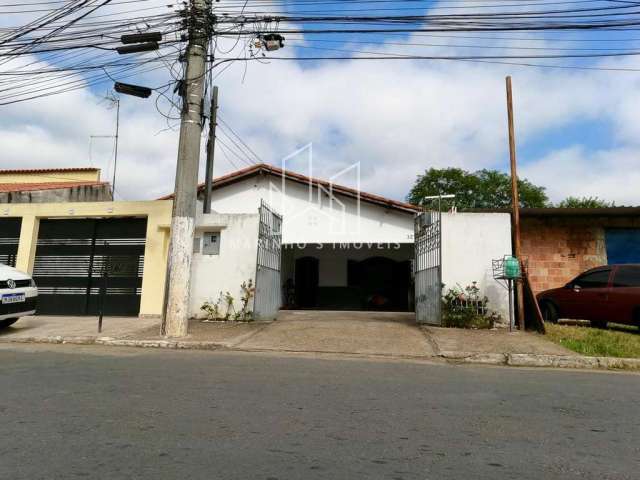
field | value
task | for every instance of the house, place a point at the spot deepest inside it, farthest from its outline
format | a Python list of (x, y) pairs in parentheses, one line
[(561, 243), (303, 242), (49, 185), (339, 248)]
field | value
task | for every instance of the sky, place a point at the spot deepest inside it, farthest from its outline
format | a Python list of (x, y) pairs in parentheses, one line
[(577, 131)]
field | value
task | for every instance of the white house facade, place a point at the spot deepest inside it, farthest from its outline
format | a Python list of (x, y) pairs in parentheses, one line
[(339, 249)]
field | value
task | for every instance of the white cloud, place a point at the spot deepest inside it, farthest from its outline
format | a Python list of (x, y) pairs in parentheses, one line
[(395, 117)]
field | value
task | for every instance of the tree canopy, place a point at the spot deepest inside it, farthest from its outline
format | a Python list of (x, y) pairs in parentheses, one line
[(481, 189), (585, 202)]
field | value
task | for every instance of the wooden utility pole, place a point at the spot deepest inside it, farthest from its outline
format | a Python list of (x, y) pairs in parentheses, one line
[(515, 203), (211, 148), (176, 316)]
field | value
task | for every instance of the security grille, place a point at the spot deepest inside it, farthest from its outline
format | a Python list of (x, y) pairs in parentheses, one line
[(268, 296), (9, 238), (428, 267), (76, 260)]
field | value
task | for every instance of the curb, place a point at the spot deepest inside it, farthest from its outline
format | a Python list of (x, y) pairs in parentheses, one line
[(117, 342), (545, 361), (455, 357)]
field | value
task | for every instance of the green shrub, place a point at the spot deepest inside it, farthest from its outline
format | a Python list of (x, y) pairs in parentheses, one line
[(466, 308)]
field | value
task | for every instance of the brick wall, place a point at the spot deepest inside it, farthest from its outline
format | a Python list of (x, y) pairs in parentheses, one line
[(560, 248)]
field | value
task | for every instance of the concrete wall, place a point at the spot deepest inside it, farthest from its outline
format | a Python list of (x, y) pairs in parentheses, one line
[(313, 216), (84, 193), (26, 176), (470, 242), (236, 262), (158, 214)]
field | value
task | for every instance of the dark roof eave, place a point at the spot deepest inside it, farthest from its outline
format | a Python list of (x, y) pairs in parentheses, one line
[(565, 212)]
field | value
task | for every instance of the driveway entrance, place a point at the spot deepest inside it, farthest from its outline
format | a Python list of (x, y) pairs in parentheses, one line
[(373, 333)]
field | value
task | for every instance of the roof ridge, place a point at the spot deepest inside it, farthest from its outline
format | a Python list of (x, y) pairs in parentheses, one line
[(294, 176), (48, 170)]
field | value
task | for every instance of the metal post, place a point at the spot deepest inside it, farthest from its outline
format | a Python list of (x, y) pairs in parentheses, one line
[(175, 320), (104, 286), (515, 202), (211, 147), (510, 289), (115, 155)]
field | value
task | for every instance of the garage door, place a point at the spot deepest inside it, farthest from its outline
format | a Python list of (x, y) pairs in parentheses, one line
[(71, 257), (9, 237), (623, 245)]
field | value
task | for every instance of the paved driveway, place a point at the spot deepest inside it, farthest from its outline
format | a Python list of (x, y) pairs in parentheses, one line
[(372, 333)]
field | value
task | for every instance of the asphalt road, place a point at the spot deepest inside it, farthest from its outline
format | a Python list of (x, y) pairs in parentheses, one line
[(99, 413)]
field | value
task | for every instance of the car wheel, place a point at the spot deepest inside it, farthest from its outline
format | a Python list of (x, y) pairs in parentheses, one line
[(8, 322), (599, 323), (549, 312)]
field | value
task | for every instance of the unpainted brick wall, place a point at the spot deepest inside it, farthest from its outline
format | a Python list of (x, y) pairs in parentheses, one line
[(560, 248)]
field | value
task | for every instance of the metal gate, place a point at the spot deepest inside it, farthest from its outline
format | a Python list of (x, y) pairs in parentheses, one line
[(80, 263), (268, 299), (9, 239), (428, 267)]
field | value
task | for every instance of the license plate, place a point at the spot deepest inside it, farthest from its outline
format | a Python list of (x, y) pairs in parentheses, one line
[(13, 298)]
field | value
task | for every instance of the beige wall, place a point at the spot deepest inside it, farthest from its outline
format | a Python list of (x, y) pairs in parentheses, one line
[(49, 177), (158, 214)]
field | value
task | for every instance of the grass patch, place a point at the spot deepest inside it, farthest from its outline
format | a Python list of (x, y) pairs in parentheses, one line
[(612, 342)]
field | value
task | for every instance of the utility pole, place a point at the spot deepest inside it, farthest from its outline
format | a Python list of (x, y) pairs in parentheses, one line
[(176, 315), (515, 203), (211, 147), (115, 154)]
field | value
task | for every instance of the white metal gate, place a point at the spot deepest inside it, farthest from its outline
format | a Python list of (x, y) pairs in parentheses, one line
[(268, 296), (428, 267)]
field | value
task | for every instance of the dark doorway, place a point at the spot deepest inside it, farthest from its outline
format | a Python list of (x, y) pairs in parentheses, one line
[(383, 283), (71, 256), (9, 238), (307, 280)]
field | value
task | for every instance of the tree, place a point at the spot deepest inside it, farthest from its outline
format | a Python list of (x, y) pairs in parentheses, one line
[(481, 189), (585, 202)]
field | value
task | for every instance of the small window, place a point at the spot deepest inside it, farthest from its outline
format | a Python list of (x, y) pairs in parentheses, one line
[(211, 243), (599, 279), (628, 276), (196, 244)]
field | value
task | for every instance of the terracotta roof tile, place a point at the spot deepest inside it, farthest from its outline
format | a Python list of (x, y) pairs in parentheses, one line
[(31, 187), (263, 168), (49, 170)]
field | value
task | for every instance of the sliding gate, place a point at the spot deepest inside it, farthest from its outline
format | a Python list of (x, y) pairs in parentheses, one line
[(428, 267), (81, 263), (268, 299), (9, 238)]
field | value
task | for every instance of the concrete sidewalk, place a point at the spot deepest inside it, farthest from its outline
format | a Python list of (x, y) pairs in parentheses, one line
[(463, 341), (58, 326), (372, 334)]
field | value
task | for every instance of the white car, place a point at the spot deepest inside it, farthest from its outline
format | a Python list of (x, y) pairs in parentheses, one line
[(18, 295)]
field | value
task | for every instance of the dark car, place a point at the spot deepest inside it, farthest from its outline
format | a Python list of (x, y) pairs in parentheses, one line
[(601, 295)]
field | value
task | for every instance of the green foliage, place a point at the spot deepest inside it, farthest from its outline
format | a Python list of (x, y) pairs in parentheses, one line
[(585, 202), (248, 291), (213, 310), (481, 189), (467, 308), (616, 341)]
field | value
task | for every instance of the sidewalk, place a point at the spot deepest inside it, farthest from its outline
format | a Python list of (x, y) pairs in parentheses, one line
[(367, 334)]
